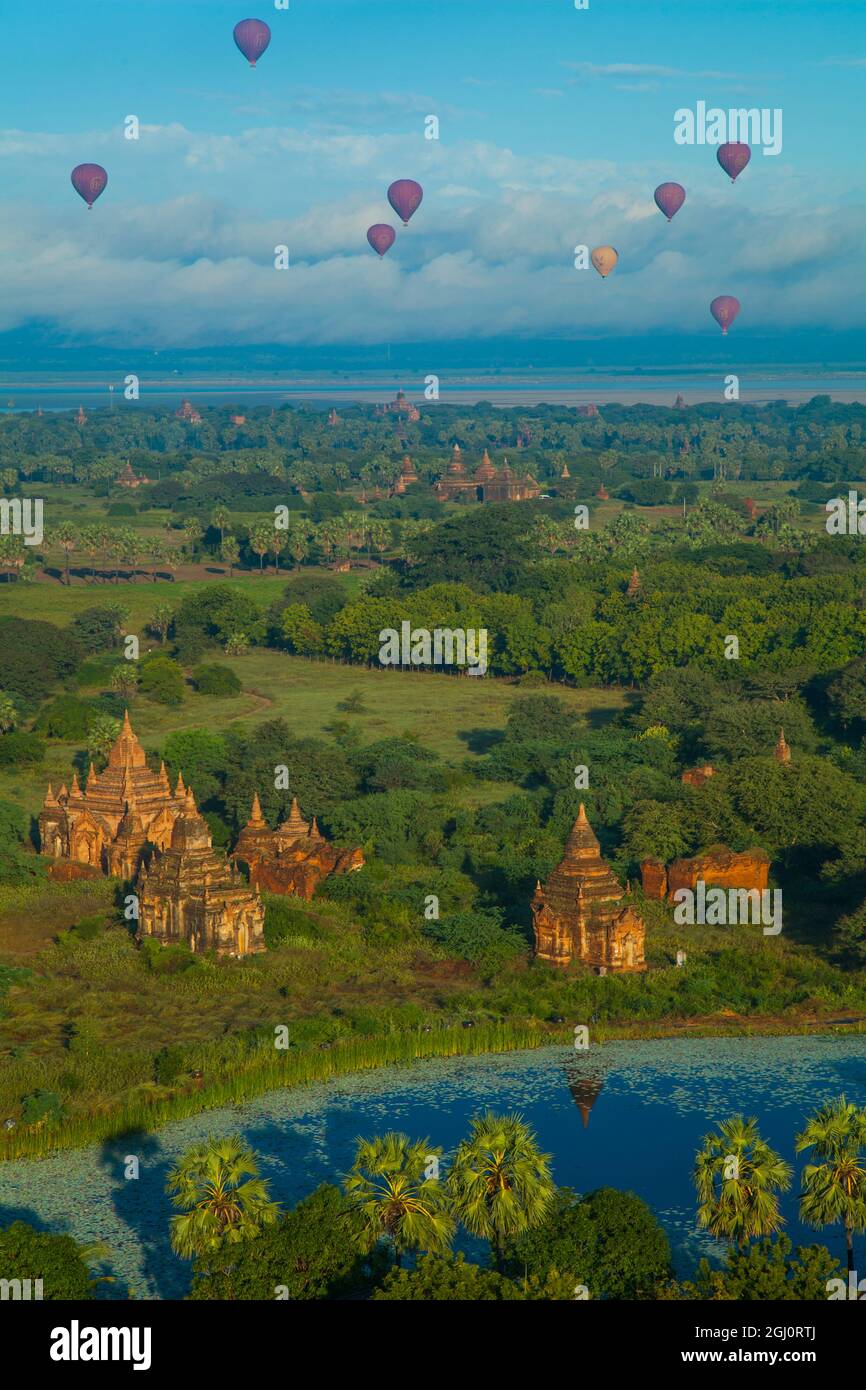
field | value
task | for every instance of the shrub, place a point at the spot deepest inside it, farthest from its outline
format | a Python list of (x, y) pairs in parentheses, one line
[(213, 679), (98, 629), (55, 1259), (21, 750), (162, 681)]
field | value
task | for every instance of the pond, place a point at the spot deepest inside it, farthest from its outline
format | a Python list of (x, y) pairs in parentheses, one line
[(628, 1115)]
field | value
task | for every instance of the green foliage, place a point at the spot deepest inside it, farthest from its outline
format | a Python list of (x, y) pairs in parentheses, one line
[(98, 629), (310, 1253), (21, 750), (214, 679), (608, 1241), (66, 717), (35, 656), (478, 936), (223, 1200), (452, 1279), (768, 1271), (162, 681), (57, 1260), (41, 1108)]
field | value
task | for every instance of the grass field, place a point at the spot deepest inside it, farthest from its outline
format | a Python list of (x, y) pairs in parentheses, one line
[(443, 711)]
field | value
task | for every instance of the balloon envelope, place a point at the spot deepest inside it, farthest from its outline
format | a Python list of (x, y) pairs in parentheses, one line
[(670, 198), (724, 310), (604, 258), (381, 237), (405, 198), (89, 181), (252, 37), (733, 158)]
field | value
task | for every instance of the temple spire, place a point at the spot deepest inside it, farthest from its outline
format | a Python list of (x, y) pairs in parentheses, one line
[(256, 817), (782, 752), (180, 789)]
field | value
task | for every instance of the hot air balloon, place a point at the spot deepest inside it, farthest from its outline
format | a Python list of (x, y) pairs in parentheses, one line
[(604, 258), (670, 198), (252, 37), (381, 237), (89, 181), (733, 158), (724, 310), (405, 198)]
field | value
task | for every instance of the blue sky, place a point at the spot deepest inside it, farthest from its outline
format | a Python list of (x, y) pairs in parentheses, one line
[(555, 127)]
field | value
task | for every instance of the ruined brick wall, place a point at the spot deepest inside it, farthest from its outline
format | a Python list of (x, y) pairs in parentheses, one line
[(720, 868)]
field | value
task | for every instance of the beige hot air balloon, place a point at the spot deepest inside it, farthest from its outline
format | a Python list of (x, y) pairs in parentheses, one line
[(604, 258)]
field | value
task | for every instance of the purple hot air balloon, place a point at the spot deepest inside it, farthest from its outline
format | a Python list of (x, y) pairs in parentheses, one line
[(252, 37), (733, 158), (405, 198), (724, 310), (381, 237), (670, 198), (89, 181)]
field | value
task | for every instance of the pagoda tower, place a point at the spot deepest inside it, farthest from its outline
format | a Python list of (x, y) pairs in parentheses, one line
[(781, 752), (578, 912)]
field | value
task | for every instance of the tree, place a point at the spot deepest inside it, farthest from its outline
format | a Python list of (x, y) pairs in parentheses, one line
[(220, 518), (124, 680), (8, 713), (311, 1252), (452, 1279), (390, 1187), (261, 541), (738, 1178), (67, 539), (161, 622), (192, 529), (230, 552), (59, 1261), (162, 681), (609, 1241), (834, 1187), (499, 1182), (223, 1199), (99, 629), (101, 736), (765, 1272)]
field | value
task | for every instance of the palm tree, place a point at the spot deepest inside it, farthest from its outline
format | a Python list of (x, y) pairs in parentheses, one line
[(91, 544), (738, 1178), (102, 734), (500, 1183), (261, 536), (67, 538), (192, 529), (299, 545), (230, 552), (8, 713), (124, 680), (225, 1200), (834, 1189), (278, 543), (161, 621), (220, 518), (389, 1186)]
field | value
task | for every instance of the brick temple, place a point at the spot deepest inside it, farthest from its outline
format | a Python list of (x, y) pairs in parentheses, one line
[(578, 913), (486, 484), (295, 857)]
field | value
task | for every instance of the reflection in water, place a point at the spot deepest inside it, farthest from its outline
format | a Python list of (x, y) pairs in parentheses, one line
[(585, 1086)]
